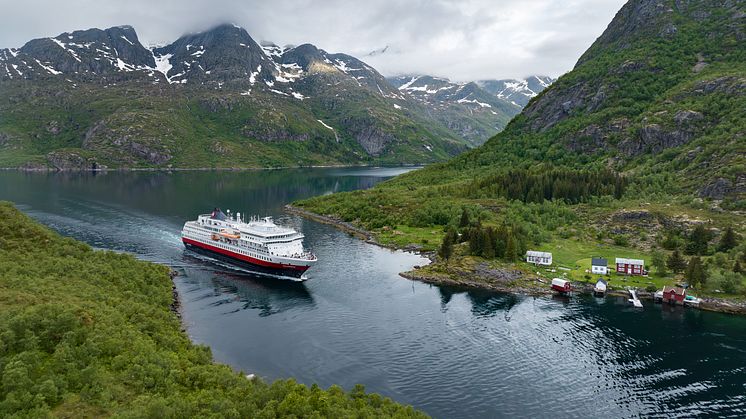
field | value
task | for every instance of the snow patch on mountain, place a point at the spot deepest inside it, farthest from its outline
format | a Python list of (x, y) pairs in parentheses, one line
[(342, 66), (252, 76), (163, 65), (46, 67), (474, 101), (63, 46)]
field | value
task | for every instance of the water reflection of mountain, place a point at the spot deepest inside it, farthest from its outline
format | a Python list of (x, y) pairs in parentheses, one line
[(262, 192)]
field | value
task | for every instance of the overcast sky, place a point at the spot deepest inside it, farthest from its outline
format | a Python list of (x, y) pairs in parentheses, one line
[(460, 39)]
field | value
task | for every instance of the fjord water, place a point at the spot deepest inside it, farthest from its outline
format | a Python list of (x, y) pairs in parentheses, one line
[(450, 352)]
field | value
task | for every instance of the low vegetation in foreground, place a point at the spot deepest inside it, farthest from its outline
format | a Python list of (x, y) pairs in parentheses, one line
[(87, 333)]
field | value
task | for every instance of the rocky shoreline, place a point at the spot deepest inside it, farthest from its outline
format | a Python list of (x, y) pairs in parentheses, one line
[(498, 280)]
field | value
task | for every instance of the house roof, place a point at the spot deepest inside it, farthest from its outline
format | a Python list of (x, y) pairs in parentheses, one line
[(677, 290), (630, 261), (538, 254), (599, 262)]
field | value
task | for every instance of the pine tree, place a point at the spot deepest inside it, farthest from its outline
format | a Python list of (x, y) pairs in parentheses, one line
[(511, 248), (728, 241), (488, 249), (446, 247), (501, 241), (464, 222), (695, 272), (675, 262), (737, 268), (475, 241), (698, 240)]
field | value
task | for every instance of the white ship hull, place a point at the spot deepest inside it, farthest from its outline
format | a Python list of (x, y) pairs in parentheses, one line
[(260, 246)]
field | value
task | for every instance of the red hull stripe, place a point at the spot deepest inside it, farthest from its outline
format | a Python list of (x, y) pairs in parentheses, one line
[(244, 258)]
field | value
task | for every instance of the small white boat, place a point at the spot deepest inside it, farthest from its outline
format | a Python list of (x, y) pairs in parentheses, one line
[(692, 300)]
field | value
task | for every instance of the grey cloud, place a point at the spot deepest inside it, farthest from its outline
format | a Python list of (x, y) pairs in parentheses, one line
[(459, 39)]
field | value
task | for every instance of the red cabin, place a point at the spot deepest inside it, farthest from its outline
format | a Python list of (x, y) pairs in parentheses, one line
[(561, 285), (630, 266), (674, 295)]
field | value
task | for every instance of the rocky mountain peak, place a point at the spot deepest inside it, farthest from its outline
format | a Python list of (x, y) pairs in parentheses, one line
[(517, 91), (224, 53), (91, 51)]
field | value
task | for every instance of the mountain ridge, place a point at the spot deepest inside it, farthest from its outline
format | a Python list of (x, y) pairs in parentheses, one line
[(297, 105)]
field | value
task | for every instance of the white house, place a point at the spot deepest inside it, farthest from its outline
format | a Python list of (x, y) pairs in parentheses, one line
[(539, 258), (599, 266)]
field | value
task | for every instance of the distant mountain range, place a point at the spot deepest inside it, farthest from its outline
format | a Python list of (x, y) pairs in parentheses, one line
[(96, 98), (475, 110)]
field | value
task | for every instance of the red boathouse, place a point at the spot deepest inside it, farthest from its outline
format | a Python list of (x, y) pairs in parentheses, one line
[(561, 285), (674, 295)]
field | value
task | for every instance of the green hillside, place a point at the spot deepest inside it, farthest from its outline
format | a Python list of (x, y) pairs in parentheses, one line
[(48, 123), (640, 143), (87, 333)]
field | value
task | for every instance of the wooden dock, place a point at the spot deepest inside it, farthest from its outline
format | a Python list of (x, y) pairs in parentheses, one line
[(634, 300)]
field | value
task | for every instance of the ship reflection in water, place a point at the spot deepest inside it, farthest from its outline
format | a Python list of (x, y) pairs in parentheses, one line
[(234, 289)]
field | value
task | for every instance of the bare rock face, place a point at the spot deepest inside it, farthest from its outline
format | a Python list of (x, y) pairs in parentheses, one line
[(730, 85), (588, 140), (53, 127), (270, 133), (555, 105), (654, 138), (595, 138), (217, 104), (687, 118), (373, 140), (125, 145), (65, 161), (368, 134), (483, 270), (717, 189)]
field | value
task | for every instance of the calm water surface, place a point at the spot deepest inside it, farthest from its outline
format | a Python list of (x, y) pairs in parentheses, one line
[(452, 353)]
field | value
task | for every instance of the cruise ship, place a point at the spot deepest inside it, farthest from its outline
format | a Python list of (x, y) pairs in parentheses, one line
[(259, 244)]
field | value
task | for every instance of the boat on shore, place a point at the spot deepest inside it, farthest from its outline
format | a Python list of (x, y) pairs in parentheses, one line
[(600, 288), (259, 245), (561, 285)]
